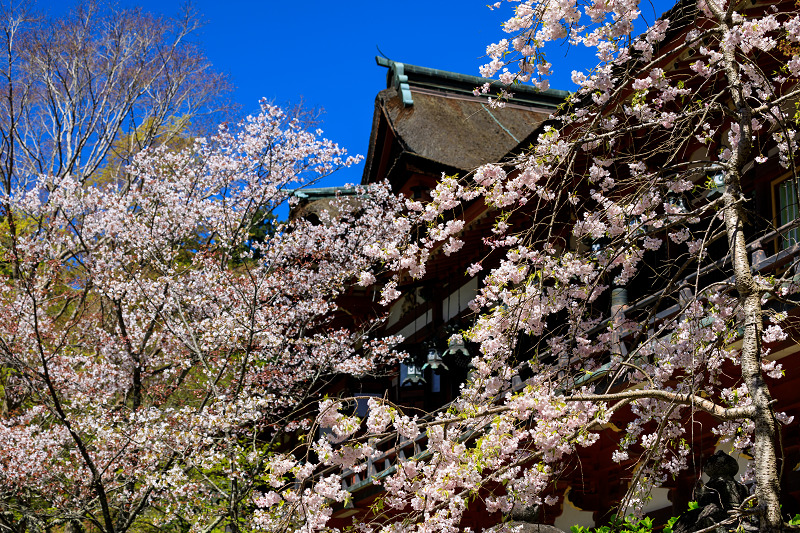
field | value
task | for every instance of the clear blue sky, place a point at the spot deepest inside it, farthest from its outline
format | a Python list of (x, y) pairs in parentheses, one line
[(323, 51)]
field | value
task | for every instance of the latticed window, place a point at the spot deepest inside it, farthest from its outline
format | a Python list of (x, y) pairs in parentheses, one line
[(787, 211)]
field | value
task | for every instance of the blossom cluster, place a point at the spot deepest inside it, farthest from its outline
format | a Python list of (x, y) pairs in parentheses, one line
[(625, 192), (159, 338)]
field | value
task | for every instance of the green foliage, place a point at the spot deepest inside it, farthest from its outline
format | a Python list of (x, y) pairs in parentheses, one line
[(632, 524), (629, 524), (670, 524)]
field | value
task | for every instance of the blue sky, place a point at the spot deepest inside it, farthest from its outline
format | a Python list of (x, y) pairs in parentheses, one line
[(323, 51)]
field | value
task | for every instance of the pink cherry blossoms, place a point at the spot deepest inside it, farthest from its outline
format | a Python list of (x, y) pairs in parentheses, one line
[(153, 354), (629, 277), (638, 280)]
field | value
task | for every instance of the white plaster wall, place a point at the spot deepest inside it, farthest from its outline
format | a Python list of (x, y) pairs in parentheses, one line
[(659, 499), (417, 325), (572, 516), (459, 299)]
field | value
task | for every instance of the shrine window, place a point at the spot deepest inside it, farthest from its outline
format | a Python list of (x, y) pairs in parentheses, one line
[(786, 210)]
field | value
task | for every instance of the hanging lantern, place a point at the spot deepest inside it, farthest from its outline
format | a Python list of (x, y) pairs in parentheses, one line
[(457, 350), (471, 370), (435, 362), (456, 347), (596, 246), (715, 183), (414, 375), (635, 226), (678, 202)]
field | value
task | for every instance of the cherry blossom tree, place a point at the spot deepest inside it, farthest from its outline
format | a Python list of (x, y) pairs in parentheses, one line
[(154, 373), (628, 270), (154, 354), (155, 358), (668, 133), (84, 92)]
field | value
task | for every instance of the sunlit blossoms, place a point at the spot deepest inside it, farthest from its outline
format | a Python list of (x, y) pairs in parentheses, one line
[(165, 355), (624, 281), (154, 350)]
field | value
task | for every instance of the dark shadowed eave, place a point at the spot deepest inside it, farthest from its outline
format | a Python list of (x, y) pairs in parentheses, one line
[(313, 200)]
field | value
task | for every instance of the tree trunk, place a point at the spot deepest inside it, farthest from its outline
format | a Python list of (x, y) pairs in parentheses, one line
[(765, 450), (764, 442)]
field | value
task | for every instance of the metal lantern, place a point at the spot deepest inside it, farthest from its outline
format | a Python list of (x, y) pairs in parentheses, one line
[(414, 375), (635, 226), (678, 202), (596, 246), (716, 183), (471, 370), (435, 362), (456, 347)]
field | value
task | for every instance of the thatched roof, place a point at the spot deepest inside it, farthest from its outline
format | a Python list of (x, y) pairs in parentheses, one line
[(431, 116), (458, 131)]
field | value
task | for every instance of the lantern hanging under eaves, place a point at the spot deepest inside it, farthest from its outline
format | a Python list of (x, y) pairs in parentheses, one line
[(458, 351), (678, 203), (434, 362), (456, 346), (414, 375)]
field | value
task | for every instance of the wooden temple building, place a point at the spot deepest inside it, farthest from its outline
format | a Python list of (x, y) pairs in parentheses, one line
[(428, 123)]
